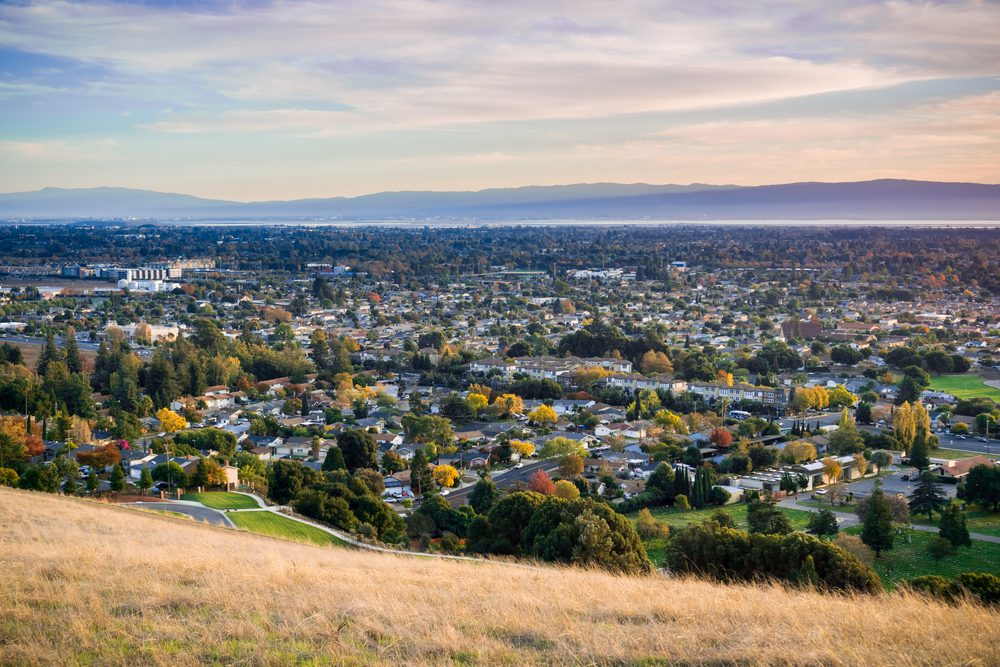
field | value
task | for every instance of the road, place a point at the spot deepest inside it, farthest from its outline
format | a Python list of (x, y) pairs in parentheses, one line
[(82, 343), (505, 479), (196, 512), (971, 444)]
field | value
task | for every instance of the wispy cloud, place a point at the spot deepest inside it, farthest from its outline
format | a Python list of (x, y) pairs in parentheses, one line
[(338, 71)]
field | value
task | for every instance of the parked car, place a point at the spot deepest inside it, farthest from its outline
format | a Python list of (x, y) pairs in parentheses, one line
[(905, 478)]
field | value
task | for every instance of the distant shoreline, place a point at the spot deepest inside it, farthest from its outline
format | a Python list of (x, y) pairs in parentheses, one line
[(457, 224)]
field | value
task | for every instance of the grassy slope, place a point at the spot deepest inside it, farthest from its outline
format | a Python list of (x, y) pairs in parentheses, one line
[(964, 386), (221, 500), (108, 585), (275, 525)]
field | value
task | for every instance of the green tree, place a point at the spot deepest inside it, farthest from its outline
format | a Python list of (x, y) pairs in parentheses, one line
[(927, 496), (764, 516), (940, 548), (421, 477), (117, 478), (334, 460), (876, 529), (982, 486), (953, 526), (145, 481), (807, 576), (484, 495), (93, 482), (919, 457), (823, 522), (359, 449)]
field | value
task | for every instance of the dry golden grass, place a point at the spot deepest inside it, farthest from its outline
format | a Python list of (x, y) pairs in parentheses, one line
[(86, 583)]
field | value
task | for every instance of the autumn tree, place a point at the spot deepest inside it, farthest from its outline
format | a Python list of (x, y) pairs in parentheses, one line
[(832, 469), (566, 490), (655, 362), (507, 405), (904, 426), (540, 482), (445, 475), (170, 421), (570, 466), (543, 415), (522, 448), (721, 437)]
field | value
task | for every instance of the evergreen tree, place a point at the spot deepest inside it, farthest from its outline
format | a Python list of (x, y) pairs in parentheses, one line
[(484, 495), (334, 460), (808, 577), (49, 354), (876, 529), (953, 526), (72, 351), (359, 449), (421, 480), (117, 478), (927, 497), (145, 480), (93, 482), (764, 516), (681, 485)]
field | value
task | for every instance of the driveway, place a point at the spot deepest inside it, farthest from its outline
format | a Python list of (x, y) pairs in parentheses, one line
[(196, 512), (894, 483)]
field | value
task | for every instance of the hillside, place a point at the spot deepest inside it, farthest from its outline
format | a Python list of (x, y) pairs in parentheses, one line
[(96, 584), (886, 199)]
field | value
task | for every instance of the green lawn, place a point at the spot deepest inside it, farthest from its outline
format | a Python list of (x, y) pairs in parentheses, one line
[(964, 386), (976, 520), (905, 561), (221, 500), (657, 547), (275, 525), (956, 455)]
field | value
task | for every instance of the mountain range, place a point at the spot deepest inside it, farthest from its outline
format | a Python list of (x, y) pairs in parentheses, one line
[(886, 199)]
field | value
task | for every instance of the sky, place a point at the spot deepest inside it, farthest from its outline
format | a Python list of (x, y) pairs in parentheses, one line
[(256, 100)]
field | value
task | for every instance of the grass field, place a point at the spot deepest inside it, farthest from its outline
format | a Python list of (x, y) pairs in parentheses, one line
[(964, 386), (96, 584), (275, 525), (905, 561), (957, 455), (976, 520), (221, 500), (657, 547)]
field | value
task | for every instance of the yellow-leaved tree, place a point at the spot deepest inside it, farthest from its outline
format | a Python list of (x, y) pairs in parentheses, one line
[(477, 402), (522, 447), (542, 415), (507, 405), (170, 421), (445, 475)]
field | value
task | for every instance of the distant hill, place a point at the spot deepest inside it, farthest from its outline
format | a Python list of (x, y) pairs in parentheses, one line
[(89, 583), (863, 200)]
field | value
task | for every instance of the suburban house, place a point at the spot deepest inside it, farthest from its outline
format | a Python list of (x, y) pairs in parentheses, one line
[(954, 472)]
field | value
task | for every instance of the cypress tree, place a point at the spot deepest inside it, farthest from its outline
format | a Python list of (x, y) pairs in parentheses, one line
[(334, 460), (927, 497), (918, 451)]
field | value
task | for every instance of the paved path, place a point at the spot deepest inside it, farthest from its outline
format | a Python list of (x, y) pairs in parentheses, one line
[(193, 510), (847, 519)]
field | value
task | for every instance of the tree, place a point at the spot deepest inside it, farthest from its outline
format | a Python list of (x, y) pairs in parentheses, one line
[(648, 527), (9, 476), (823, 522), (93, 482), (117, 479), (880, 459), (523, 448), (560, 446), (445, 475), (543, 415), (391, 463), (507, 405), (655, 362), (334, 460), (832, 470), (681, 502), (982, 486), (919, 457), (208, 473), (953, 526), (939, 548), (788, 483), (170, 421), (145, 481), (571, 466), (721, 437), (661, 484), (540, 482), (566, 490), (904, 426), (421, 479), (846, 439), (358, 448), (477, 402), (764, 516), (484, 495), (876, 529)]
